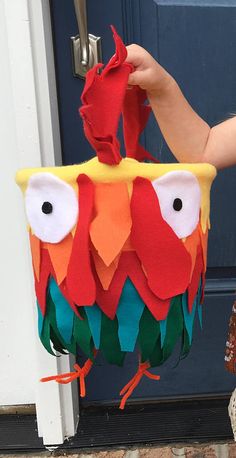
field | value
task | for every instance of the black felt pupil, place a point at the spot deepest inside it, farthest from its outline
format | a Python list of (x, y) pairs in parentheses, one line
[(177, 204), (47, 208)]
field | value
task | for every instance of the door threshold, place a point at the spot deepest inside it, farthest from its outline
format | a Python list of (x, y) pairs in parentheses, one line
[(198, 421)]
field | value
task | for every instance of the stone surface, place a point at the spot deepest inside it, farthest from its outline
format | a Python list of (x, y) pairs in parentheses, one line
[(155, 452), (172, 451)]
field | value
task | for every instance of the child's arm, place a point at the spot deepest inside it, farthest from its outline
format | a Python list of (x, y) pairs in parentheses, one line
[(188, 136)]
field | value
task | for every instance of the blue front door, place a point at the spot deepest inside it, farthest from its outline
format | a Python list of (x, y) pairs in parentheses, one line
[(196, 42)]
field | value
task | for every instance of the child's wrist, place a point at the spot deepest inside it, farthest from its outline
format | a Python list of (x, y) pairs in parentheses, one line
[(162, 88)]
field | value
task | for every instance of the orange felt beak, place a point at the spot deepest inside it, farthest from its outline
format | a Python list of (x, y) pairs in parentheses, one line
[(112, 223)]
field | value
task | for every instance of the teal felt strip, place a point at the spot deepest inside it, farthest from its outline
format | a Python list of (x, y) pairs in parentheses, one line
[(64, 313), (129, 312), (40, 320), (188, 317), (94, 316), (163, 324), (199, 310)]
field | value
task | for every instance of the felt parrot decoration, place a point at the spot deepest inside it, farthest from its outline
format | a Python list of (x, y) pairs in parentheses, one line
[(118, 245)]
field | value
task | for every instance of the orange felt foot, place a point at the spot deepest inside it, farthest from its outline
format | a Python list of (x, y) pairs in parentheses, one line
[(131, 385), (80, 372)]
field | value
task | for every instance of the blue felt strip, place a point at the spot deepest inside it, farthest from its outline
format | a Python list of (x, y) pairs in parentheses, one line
[(189, 317), (163, 324), (40, 320), (94, 316), (129, 313), (64, 313)]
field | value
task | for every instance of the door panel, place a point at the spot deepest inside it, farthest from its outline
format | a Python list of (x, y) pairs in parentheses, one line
[(191, 42)]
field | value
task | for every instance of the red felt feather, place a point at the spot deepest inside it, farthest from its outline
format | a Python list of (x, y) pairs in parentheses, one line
[(135, 117), (79, 280), (129, 266), (41, 285), (163, 256), (102, 100)]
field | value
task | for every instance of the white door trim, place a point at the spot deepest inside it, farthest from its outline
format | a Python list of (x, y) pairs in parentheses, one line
[(32, 77)]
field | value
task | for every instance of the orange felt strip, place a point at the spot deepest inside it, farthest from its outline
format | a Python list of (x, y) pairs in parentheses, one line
[(35, 251), (204, 240), (105, 273), (111, 227), (60, 255), (191, 243)]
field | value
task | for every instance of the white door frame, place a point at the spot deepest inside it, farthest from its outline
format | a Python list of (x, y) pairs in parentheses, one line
[(32, 77)]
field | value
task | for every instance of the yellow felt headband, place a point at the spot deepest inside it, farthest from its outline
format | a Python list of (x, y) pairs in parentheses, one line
[(127, 171)]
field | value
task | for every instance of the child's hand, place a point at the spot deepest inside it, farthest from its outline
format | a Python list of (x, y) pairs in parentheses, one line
[(148, 74)]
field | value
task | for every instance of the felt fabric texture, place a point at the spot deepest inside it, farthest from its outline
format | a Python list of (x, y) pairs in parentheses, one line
[(35, 246), (54, 226), (184, 186), (196, 278), (127, 171), (130, 266), (135, 116), (105, 273), (189, 316), (129, 312), (111, 226), (166, 262), (42, 283), (58, 252), (64, 313), (102, 99), (94, 316), (79, 280), (118, 246), (191, 244)]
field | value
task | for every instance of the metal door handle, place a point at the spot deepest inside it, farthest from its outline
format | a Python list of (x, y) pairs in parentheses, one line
[(86, 48)]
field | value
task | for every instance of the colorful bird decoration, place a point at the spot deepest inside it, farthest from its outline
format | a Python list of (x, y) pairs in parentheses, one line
[(118, 246)]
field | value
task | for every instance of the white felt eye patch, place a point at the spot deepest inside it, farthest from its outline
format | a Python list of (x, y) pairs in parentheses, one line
[(179, 196), (51, 207)]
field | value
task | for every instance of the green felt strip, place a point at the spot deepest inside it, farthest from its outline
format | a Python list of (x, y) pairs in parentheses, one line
[(149, 331), (56, 342), (82, 334), (174, 328), (156, 358), (110, 344), (45, 336)]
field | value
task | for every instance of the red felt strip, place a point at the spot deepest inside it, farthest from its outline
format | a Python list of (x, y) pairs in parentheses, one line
[(135, 117), (165, 260), (102, 100), (35, 245), (129, 266), (41, 285), (64, 290), (196, 276), (79, 280)]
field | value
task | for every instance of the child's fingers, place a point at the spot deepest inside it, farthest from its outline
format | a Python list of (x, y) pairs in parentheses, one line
[(132, 79), (134, 55), (136, 78)]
